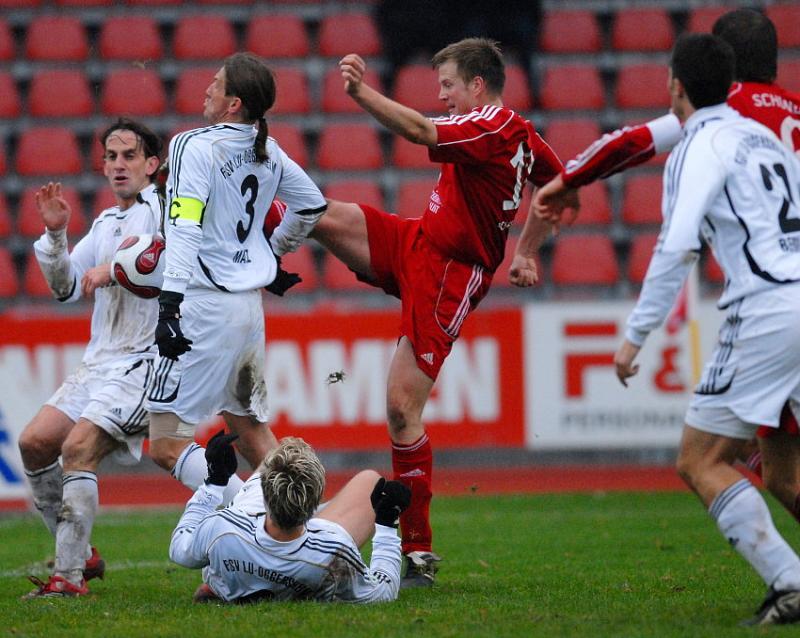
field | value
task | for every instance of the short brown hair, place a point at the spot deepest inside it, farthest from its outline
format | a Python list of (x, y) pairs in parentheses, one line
[(476, 57)]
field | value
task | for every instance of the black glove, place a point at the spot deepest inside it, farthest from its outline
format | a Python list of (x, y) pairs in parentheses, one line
[(283, 280), (169, 337), (389, 499), (221, 458)]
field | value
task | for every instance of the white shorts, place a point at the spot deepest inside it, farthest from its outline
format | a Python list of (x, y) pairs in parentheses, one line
[(755, 367), (224, 370), (111, 397)]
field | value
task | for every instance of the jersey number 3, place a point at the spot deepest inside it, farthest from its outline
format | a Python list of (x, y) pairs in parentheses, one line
[(249, 185)]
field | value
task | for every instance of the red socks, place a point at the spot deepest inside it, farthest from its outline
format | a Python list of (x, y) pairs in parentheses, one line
[(413, 465)]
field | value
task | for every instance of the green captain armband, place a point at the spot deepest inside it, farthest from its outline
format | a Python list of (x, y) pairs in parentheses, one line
[(186, 208)]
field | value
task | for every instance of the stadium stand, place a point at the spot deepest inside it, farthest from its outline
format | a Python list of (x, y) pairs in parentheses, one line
[(789, 74), (586, 88), (132, 37), (190, 89), (293, 95), (363, 191), (517, 91), (349, 147), (137, 92), (29, 222), (10, 103), (701, 19), (290, 139), (203, 37), (277, 36), (405, 154), (56, 39), (336, 276), (641, 202), (574, 31), (595, 206), (639, 255), (500, 280), (569, 136), (343, 33), (6, 42), (9, 280), (642, 29), (33, 281), (415, 86), (413, 196), (642, 86), (786, 17), (584, 260), (48, 151), (334, 99), (5, 218), (3, 163), (60, 93)]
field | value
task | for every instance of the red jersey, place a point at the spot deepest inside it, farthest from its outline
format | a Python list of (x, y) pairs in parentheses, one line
[(768, 104), (487, 156)]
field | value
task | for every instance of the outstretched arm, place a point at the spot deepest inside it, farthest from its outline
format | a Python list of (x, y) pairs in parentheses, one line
[(399, 119)]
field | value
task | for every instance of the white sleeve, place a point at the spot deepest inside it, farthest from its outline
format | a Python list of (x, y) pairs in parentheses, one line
[(666, 131), (189, 177), (193, 535), (381, 583), (305, 205), (62, 270), (665, 276)]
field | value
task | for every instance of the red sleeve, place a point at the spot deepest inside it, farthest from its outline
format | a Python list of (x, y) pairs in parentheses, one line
[(471, 138), (610, 154), (546, 164)]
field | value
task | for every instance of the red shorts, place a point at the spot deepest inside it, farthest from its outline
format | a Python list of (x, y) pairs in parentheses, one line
[(437, 292), (788, 424)]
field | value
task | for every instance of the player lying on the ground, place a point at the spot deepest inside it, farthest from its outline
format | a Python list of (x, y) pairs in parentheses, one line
[(269, 545)]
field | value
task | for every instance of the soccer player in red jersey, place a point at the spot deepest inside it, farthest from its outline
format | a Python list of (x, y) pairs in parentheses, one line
[(440, 264), (756, 95)]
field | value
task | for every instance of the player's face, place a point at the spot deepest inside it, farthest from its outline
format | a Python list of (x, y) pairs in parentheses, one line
[(215, 107), (126, 167), (458, 96)]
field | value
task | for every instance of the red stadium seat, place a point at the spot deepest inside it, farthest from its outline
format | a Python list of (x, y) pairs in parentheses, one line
[(60, 93), (413, 196), (29, 222), (343, 33), (789, 75), (517, 90), (5, 218), (9, 280), (56, 38), (33, 282), (7, 52), (349, 147), (584, 260), (2, 156), (103, 199), (641, 200), (84, 3), (334, 98), (131, 37), (786, 18), (642, 86), (710, 270), (48, 151), (336, 276), (290, 139), (416, 86), (153, 3), (501, 274), (361, 191), (292, 94), (19, 4), (203, 37), (406, 154), (302, 262), (225, 1), (595, 205), (190, 89), (9, 96), (569, 136), (645, 29), (572, 86), (570, 32), (277, 36), (133, 92), (639, 255), (701, 19)]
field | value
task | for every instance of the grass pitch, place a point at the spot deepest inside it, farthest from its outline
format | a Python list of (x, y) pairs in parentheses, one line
[(616, 564)]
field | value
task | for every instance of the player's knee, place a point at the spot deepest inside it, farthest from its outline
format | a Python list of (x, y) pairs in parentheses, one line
[(36, 449), (397, 418)]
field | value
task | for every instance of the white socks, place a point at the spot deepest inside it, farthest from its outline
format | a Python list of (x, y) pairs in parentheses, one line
[(46, 488), (744, 519), (75, 524), (191, 470)]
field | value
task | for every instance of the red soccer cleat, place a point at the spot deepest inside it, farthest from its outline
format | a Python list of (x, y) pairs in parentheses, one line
[(204, 594), (95, 566), (56, 587)]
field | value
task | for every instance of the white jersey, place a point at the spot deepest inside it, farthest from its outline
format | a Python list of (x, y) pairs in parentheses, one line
[(731, 179), (122, 323), (218, 196), (243, 562)]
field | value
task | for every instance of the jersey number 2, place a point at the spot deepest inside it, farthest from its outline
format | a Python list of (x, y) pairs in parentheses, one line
[(249, 183), (787, 224)]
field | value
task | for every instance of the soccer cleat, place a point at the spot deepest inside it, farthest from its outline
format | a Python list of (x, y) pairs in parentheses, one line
[(204, 594), (778, 608), (95, 566), (56, 587), (421, 568)]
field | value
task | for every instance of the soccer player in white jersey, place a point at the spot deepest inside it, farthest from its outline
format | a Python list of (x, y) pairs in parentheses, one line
[(731, 179), (99, 409), (210, 331), (269, 545)]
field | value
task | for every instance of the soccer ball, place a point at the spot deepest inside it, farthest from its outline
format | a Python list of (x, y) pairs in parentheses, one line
[(137, 265)]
